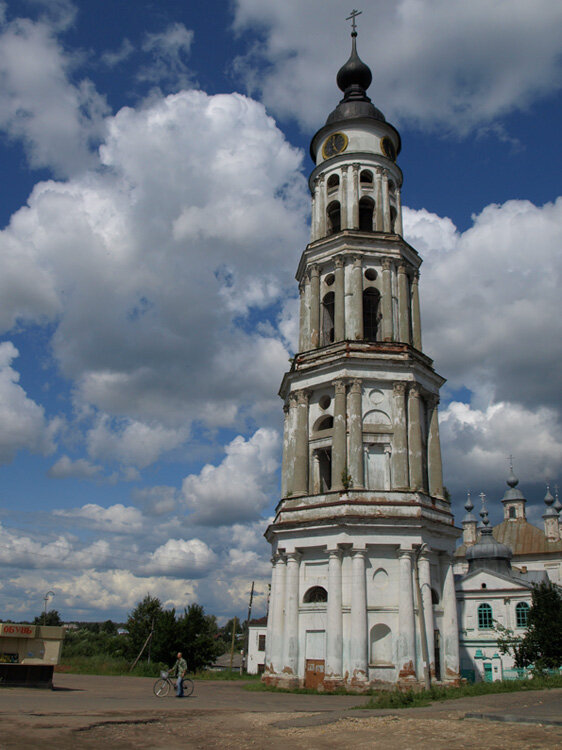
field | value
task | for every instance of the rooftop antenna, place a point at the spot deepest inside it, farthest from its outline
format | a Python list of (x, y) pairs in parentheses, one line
[(352, 16)]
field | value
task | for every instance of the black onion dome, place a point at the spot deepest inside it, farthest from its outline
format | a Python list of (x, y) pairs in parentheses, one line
[(354, 78), (355, 71)]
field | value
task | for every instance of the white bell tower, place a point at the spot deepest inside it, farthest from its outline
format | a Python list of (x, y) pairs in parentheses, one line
[(362, 508)]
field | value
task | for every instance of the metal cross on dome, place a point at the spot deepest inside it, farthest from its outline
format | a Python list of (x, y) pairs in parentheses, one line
[(352, 16)]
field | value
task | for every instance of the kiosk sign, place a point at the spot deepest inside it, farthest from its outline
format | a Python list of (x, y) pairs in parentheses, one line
[(13, 630)]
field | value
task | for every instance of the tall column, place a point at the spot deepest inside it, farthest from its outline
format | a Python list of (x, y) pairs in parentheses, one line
[(425, 585), (286, 460), (314, 307), (275, 621), (339, 457), (355, 198), (386, 299), (334, 635), (339, 300), (378, 200), (300, 463), (400, 442), (416, 317), (291, 639), (355, 308), (344, 202), (356, 434), (403, 305), (385, 202), (450, 626), (321, 207), (406, 650), (435, 466), (398, 228), (303, 332), (289, 444), (414, 439), (358, 645)]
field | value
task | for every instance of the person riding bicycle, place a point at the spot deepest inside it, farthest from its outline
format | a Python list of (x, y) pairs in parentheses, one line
[(179, 669)]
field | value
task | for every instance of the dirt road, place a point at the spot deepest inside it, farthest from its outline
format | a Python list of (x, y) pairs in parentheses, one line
[(121, 712)]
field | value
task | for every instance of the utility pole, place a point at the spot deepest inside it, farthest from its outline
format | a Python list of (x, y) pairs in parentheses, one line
[(247, 645), (232, 642)]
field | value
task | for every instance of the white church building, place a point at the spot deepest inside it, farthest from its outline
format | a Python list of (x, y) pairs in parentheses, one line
[(363, 540)]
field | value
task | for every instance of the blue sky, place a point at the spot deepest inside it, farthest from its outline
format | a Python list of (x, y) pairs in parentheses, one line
[(153, 209)]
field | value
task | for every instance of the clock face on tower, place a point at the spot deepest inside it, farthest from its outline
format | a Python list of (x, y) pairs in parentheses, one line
[(334, 144), (388, 148)]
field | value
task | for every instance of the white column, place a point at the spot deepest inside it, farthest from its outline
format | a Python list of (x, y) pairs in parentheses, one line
[(339, 453), (355, 197), (359, 651), (355, 461), (300, 463), (450, 638), (303, 332), (334, 636), (314, 297), (339, 299), (414, 439), (386, 300), (344, 212), (378, 200), (435, 465), (320, 208), (416, 317), (398, 228), (313, 217), (403, 305), (406, 651), (425, 585), (287, 459), (274, 637), (385, 202), (291, 634), (355, 307), (400, 440)]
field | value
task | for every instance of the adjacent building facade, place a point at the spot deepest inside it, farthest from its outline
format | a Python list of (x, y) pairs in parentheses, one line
[(363, 538)]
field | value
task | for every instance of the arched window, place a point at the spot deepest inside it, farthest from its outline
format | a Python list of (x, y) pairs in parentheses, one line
[(522, 615), (328, 319), (333, 181), (366, 178), (381, 644), (315, 595), (324, 423), (333, 213), (485, 619), (366, 210), (371, 298), (323, 460)]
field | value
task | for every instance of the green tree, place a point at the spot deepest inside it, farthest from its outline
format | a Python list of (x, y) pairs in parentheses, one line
[(198, 638), (141, 622), (542, 643), (51, 618)]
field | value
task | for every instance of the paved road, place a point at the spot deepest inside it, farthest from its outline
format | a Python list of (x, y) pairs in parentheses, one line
[(80, 699)]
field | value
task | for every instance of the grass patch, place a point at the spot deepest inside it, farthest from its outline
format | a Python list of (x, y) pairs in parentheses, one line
[(412, 698), (103, 664)]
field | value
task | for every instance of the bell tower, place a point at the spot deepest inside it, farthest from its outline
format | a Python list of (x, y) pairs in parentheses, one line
[(362, 507)]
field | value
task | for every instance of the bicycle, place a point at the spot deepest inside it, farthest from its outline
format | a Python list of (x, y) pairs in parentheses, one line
[(164, 684)]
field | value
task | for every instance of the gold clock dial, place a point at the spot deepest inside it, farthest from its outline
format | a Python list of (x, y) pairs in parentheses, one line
[(334, 144)]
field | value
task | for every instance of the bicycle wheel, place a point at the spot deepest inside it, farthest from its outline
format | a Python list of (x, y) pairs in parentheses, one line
[(188, 686), (161, 688)]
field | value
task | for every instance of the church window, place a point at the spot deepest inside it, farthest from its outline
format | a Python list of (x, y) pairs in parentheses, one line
[(393, 218), (325, 401), (381, 645), (371, 298), (261, 642), (324, 456), (434, 597), (324, 423), (333, 182), (370, 274), (522, 615), (329, 280), (334, 217), (391, 187), (366, 209), (366, 177), (485, 619), (315, 595), (512, 513), (328, 319)]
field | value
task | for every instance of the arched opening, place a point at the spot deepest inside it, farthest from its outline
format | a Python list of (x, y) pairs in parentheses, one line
[(485, 619), (366, 178), (366, 210), (381, 645), (315, 595), (371, 299), (323, 470), (333, 213), (434, 596), (324, 423), (522, 615), (328, 303), (393, 216), (333, 182)]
